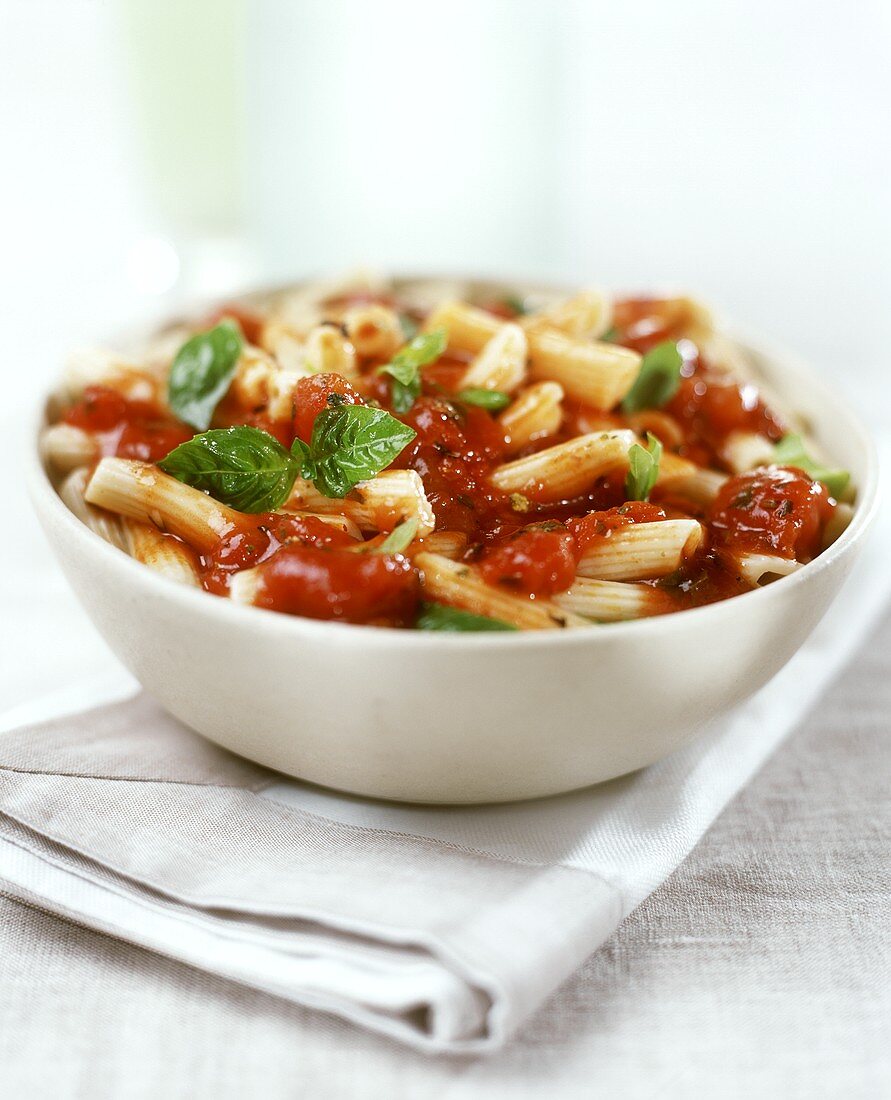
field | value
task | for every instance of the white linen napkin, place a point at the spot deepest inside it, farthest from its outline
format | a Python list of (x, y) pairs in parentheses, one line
[(442, 927)]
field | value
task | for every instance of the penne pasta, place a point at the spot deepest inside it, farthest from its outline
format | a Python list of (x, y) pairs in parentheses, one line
[(164, 554), (760, 568), (518, 439), (641, 551), (566, 469), (374, 331), (328, 351), (612, 601), (745, 450), (597, 374), (105, 524), (501, 365), (535, 414), (448, 544), (66, 447), (142, 492), (460, 585), (376, 505), (586, 315)]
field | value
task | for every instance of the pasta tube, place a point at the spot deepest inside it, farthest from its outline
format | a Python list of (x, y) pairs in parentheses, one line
[(598, 374), (501, 365), (104, 524), (745, 450), (641, 551), (374, 331), (759, 568), (143, 492), (586, 315), (376, 505), (461, 586), (566, 469), (66, 447), (536, 414), (162, 553), (448, 544), (612, 601)]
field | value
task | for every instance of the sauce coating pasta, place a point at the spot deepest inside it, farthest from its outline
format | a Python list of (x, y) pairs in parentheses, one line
[(641, 478)]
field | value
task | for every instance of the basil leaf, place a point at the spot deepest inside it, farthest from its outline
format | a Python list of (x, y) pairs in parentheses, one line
[(658, 379), (353, 443), (611, 335), (400, 538), (643, 468), (243, 467), (493, 400), (790, 451), (438, 616), (201, 373), (302, 454), (516, 304), (405, 367)]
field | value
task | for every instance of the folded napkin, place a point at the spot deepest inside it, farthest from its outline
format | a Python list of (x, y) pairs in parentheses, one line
[(442, 927)]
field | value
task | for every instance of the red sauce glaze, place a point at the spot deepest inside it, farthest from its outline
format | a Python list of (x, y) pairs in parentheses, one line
[(644, 322), (261, 537), (126, 428), (777, 510), (537, 561), (599, 525), (314, 394), (340, 584), (710, 404)]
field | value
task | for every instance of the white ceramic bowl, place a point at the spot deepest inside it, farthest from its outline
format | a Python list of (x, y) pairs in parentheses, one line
[(459, 717)]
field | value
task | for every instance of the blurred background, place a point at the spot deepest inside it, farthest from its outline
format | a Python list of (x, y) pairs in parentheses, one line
[(156, 151)]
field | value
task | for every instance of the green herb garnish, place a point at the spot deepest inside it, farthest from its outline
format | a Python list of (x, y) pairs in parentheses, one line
[(658, 379), (201, 373), (492, 400), (250, 470), (611, 335), (643, 469), (405, 367), (790, 451), (350, 443), (243, 467), (516, 304), (400, 538), (439, 616)]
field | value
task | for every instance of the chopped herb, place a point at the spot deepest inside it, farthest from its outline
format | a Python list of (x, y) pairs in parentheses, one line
[(643, 468), (790, 451), (405, 367), (400, 538), (657, 380), (492, 400), (515, 304), (611, 335), (438, 616)]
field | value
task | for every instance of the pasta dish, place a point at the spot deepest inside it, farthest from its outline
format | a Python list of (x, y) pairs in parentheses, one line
[(433, 456)]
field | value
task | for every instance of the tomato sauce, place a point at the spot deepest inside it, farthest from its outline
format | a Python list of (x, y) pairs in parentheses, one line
[(349, 586), (777, 510), (126, 428), (522, 544)]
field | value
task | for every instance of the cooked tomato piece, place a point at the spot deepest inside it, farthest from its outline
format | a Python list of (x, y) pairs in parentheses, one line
[(99, 410), (774, 510), (340, 584), (598, 525), (316, 393), (712, 404), (537, 561)]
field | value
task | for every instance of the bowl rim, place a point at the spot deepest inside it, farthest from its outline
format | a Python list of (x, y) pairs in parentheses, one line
[(45, 498)]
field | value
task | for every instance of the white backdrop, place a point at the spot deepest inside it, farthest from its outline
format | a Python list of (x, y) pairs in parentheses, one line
[(739, 149)]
